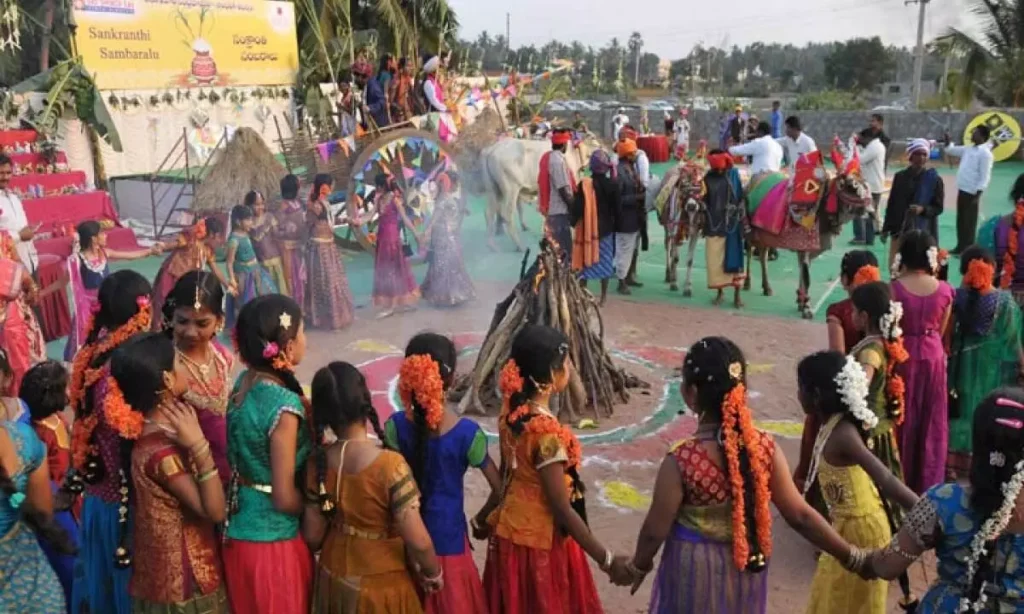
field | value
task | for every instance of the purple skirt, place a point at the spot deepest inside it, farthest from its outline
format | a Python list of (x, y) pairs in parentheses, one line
[(697, 574)]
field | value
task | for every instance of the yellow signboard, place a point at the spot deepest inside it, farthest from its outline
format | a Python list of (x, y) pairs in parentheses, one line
[(162, 44), (1004, 130)]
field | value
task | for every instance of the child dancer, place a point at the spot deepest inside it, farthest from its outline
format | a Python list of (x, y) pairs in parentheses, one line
[(447, 283), (834, 387), (193, 250), (328, 299), (267, 566), (101, 446), (442, 447), (290, 232), (244, 270), (193, 317), (44, 391), (263, 239), (375, 503), (178, 494), (394, 286)]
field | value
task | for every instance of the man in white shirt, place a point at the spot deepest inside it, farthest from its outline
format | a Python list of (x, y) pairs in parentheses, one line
[(13, 219), (682, 134), (972, 178), (796, 142), (618, 122), (765, 153), (871, 151)]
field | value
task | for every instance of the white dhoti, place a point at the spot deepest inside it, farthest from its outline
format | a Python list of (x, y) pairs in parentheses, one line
[(625, 245)]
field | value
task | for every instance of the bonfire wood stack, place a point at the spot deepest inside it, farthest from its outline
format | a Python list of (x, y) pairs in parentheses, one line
[(549, 294)]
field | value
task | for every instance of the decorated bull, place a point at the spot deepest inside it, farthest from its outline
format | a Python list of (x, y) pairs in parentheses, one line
[(681, 213)]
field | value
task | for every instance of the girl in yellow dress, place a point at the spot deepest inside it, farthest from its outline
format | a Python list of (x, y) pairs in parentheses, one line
[(835, 387)]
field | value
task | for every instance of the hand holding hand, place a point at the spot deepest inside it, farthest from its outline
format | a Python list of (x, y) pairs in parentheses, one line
[(481, 530), (619, 571)]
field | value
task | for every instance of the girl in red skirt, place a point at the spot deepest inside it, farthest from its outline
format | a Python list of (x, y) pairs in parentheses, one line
[(537, 557), (441, 447)]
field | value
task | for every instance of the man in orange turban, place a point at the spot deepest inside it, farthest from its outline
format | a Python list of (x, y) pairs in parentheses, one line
[(630, 215)]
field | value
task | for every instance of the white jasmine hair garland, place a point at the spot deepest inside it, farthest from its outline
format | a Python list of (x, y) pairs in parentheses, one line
[(853, 388), (933, 258), (890, 322), (990, 531), (897, 264)]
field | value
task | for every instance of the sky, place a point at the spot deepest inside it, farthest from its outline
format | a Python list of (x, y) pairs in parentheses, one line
[(671, 28)]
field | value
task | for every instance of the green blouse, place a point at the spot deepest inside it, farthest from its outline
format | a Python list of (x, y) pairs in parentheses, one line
[(250, 426), (872, 354)]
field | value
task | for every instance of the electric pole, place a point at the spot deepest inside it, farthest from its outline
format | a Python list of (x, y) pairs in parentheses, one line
[(919, 52), (508, 32)]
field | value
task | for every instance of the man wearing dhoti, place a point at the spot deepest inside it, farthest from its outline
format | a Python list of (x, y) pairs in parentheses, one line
[(723, 197)]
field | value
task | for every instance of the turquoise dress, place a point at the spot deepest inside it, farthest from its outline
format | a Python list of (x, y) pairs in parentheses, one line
[(28, 585), (253, 280), (943, 520)]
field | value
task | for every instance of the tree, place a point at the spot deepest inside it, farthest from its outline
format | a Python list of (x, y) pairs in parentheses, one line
[(636, 45), (994, 61), (859, 64)]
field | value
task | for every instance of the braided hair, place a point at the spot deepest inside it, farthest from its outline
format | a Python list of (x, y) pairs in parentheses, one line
[(260, 323), (715, 370), (872, 299), (914, 246), (441, 350)]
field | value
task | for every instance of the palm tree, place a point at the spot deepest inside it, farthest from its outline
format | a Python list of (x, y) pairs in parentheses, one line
[(636, 45), (993, 61)]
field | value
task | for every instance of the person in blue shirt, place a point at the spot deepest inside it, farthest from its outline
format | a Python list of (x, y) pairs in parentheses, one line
[(776, 119), (374, 101)]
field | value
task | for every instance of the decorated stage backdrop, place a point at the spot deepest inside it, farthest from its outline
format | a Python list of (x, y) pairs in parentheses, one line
[(161, 44)]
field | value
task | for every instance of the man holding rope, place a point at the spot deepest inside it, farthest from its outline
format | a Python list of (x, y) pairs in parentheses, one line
[(915, 201)]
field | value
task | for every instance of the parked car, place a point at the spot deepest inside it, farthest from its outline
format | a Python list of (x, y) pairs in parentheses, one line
[(555, 106), (659, 105)]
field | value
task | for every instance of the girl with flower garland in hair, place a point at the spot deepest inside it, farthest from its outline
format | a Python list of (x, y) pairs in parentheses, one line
[(711, 499), (101, 444), (44, 391), (976, 528), (852, 481), (363, 506), (268, 568), (178, 495), (244, 271), (985, 351), (927, 303), (1005, 238), (858, 267), (193, 250), (537, 557), (328, 299), (441, 447), (193, 317)]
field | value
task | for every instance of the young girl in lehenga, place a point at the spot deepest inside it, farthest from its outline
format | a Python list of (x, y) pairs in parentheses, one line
[(244, 271), (328, 299), (101, 442), (537, 557), (193, 250), (267, 566), (178, 495), (441, 447), (264, 227), (447, 283), (394, 286), (852, 478), (362, 505), (985, 351), (710, 507)]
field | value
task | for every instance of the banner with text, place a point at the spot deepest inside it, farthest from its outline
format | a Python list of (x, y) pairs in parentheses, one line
[(161, 44)]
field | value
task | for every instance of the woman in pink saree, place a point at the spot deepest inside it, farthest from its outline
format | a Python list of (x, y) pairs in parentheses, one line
[(20, 335)]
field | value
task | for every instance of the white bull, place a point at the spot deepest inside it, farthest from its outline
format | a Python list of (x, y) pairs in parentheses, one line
[(507, 172)]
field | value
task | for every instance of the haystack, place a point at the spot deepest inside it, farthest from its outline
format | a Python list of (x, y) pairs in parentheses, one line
[(246, 163), (549, 294), (480, 134)]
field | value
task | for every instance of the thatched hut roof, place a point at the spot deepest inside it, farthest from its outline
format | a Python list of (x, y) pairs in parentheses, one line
[(480, 134), (245, 163)]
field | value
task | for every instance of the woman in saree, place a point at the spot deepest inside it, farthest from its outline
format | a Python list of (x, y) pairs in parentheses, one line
[(191, 251), (985, 351), (264, 225), (20, 334), (1005, 234), (723, 197), (88, 266)]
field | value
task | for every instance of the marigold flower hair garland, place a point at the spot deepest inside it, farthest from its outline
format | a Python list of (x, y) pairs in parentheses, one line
[(419, 379)]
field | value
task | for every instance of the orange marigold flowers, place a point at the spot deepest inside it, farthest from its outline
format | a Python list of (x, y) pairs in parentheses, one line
[(510, 381), (865, 275), (1010, 257), (419, 379), (81, 433), (119, 415), (979, 275), (895, 389), (543, 425)]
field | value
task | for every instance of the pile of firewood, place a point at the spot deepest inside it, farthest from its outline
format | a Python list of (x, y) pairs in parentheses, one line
[(549, 293)]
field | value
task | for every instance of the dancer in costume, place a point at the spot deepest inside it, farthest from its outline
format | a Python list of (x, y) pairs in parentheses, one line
[(447, 282), (363, 506), (441, 447), (194, 317), (852, 480), (394, 286), (88, 266), (244, 270), (44, 392), (268, 568), (711, 501), (985, 351), (915, 201), (1005, 239), (927, 304), (101, 442), (179, 497), (193, 250), (328, 303), (20, 335), (27, 582), (264, 241), (723, 198), (291, 233), (975, 528), (593, 213), (537, 558)]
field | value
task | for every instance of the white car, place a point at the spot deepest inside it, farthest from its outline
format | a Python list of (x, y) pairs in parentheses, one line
[(659, 105), (556, 106)]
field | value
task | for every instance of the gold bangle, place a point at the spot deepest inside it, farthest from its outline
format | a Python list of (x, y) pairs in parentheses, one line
[(209, 475)]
